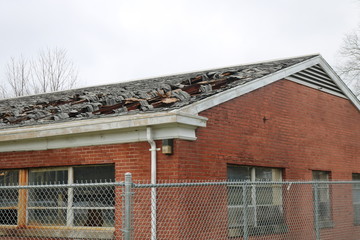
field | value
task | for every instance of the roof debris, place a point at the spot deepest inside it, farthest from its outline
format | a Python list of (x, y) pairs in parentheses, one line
[(158, 94)]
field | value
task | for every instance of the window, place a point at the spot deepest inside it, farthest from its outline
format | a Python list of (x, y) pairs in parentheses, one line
[(262, 202), (9, 197), (47, 206), (324, 203), (59, 206), (85, 206), (356, 198)]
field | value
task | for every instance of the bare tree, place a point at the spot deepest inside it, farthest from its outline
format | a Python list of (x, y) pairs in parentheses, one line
[(18, 74), (3, 92), (349, 63), (53, 71), (50, 71)]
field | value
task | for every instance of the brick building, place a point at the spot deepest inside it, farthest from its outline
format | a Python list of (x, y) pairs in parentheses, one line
[(290, 119)]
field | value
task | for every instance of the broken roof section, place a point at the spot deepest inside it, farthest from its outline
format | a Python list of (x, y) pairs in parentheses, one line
[(142, 96)]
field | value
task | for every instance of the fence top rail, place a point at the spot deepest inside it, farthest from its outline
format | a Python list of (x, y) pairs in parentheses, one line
[(237, 183), (74, 185), (175, 184)]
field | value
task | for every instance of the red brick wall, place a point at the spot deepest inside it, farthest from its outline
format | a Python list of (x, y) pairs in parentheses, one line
[(304, 130), (283, 125), (132, 157)]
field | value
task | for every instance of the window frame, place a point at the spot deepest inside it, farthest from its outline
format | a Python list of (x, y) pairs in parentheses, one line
[(325, 220), (14, 207), (34, 208), (23, 202), (356, 204), (256, 227)]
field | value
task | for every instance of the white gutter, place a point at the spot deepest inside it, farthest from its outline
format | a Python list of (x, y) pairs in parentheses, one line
[(93, 132), (153, 150), (100, 124)]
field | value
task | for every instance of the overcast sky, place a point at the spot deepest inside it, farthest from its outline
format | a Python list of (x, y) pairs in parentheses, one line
[(114, 40)]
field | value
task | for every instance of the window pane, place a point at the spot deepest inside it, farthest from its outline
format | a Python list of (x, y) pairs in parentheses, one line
[(356, 176), (236, 216), (324, 204), (8, 217), (93, 198), (264, 195), (269, 215), (48, 197), (263, 174), (264, 200), (51, 217), (48, 176), (9, 197), (235, 195), (94, 173), (324, 195), (356, 195), (9, 177), (320, 176), (94, 217), (356, 198), (324, 211), (357, 213), (242, 173)]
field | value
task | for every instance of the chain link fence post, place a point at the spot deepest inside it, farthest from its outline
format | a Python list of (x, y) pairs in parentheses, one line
[(244, 196), (316, 210), (127, 206)]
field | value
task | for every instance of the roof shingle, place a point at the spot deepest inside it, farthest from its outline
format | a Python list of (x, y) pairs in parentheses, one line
[(142, 96)]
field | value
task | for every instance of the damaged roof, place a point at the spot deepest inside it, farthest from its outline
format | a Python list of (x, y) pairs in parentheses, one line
[(142, 96)]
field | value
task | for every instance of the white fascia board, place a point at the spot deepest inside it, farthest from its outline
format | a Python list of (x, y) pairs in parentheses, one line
[(222, 97), (127, 122), (167, 131), (340, 83)]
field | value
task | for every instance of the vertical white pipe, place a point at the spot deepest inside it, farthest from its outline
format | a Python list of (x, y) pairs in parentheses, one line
[(153, 181), (127, 207), (70, 211)]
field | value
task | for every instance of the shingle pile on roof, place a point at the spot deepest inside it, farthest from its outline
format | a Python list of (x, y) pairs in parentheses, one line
[(149, 95)]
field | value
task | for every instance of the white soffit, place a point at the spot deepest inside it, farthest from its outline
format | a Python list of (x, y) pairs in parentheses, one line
[(340, 88)]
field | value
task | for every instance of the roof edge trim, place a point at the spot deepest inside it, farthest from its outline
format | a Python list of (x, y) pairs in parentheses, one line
[(222, 97), (129, 135), (101, 124), (340, 83)]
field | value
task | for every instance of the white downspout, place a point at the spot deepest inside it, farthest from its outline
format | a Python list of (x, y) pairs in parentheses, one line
[(153, 150)]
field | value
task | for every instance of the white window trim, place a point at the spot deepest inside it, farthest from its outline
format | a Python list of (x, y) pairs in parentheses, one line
[(254, 203)]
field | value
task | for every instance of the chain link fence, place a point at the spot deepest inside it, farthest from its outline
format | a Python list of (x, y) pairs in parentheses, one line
[(59, 211), (182, 210)]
